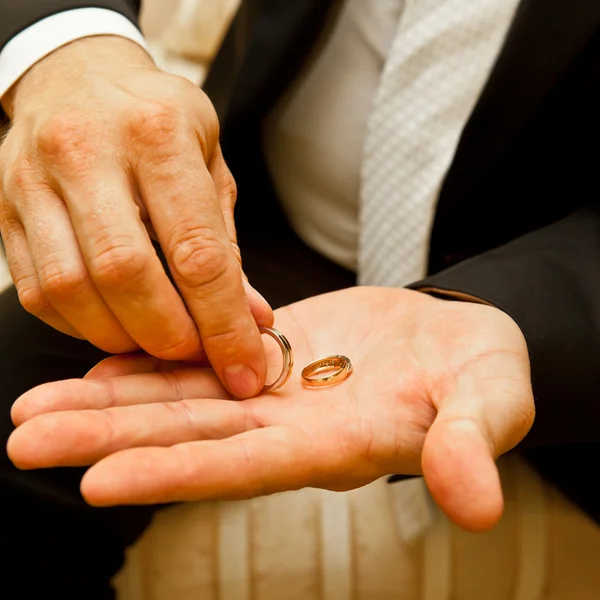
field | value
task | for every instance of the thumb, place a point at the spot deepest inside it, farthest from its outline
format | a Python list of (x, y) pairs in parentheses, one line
[(486, 412), (459, 467)]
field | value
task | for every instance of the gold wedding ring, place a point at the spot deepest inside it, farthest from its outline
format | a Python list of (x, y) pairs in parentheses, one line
[(312, 375), (288, 358)]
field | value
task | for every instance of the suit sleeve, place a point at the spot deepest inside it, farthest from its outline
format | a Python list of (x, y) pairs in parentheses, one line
[(18, 15), (548, 281)]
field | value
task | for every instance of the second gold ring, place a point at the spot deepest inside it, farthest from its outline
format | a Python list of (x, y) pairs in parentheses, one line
[(327, 371)]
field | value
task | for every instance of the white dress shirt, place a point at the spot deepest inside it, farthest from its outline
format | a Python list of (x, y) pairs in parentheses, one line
[(314, 138)]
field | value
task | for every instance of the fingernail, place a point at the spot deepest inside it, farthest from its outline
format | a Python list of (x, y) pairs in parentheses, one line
[(241, 381)]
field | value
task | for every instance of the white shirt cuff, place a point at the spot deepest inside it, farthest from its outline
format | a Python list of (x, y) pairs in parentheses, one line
[(49, 34)]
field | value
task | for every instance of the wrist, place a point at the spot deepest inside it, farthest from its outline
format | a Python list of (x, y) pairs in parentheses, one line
[(70, 66)]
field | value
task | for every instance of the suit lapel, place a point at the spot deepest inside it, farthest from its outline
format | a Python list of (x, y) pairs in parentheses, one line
[(544, 40)]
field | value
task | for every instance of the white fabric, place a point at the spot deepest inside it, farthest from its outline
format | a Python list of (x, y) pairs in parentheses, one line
[(437, 67), (315, 545), (51, 33), (313, 140)]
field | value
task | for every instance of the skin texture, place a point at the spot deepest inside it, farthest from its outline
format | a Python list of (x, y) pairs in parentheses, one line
[(439, 388), (104, 152)]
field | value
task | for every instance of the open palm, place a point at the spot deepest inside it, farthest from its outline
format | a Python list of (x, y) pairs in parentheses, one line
[(439, 388)]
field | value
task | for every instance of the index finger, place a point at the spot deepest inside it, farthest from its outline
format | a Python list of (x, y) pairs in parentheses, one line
[(184, 208)]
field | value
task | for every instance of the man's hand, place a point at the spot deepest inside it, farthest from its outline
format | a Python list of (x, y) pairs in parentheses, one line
[(104, 148), (439, 388)]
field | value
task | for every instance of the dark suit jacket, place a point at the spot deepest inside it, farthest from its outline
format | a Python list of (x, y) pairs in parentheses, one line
[(518, 220)]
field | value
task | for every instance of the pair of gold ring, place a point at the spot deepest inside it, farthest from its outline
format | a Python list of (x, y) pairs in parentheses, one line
[(320, 373)]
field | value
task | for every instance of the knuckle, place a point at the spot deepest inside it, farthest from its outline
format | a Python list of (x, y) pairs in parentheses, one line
[(181, 348), (119, 265), (184, 88), (31, 297), (67, 141), (183, 413), (229, 338), (236, 252), (208, 137), (211, 124), (61, 285), (259, 486), (156, 125), (199, 257), (5, 213), (20, 178), (527, 418), (5, 171), (202, 106), (205, 114), (228, 188)]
